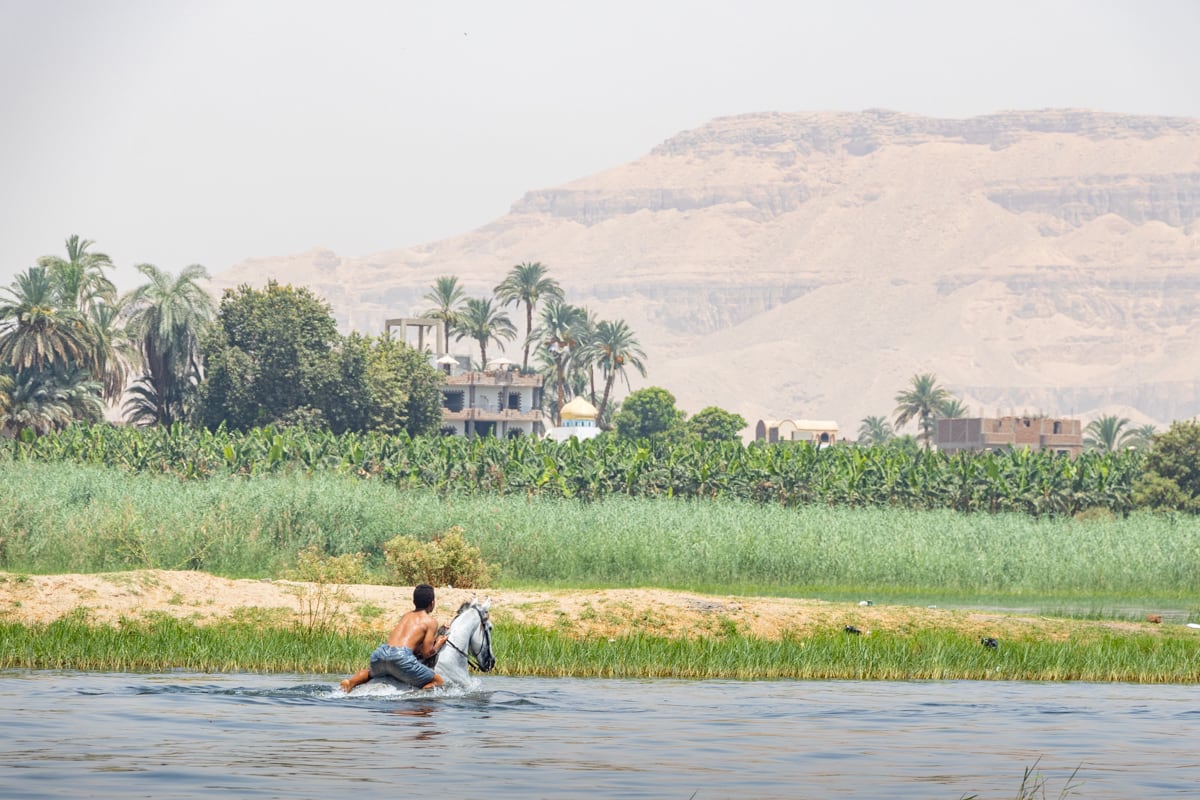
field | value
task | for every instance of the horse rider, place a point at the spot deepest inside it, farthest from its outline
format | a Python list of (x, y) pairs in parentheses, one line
[(415, 638)]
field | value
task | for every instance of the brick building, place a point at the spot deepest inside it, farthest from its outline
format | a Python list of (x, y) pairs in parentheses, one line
[(1063, 436)]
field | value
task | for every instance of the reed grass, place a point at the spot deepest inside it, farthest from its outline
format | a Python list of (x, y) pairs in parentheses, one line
[(62, 517), (164, 643)]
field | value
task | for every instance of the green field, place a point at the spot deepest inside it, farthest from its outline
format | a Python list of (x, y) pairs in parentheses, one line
[(74, 518)]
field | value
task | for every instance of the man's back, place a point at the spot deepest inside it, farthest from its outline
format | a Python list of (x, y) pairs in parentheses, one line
[(416, 631)]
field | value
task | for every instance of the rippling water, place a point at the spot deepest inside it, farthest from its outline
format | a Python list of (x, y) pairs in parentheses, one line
[(185, 735)]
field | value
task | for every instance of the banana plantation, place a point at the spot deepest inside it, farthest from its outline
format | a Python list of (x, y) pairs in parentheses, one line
[(792, 474)]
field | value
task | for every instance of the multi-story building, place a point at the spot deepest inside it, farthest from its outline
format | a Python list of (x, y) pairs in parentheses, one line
[(492, 402), (1063, 436), (495, 401)]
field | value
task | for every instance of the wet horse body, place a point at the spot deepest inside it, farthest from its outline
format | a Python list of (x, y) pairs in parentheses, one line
[(468, 643)]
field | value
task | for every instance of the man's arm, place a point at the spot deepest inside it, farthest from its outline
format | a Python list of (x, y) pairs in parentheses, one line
[(432, 641)]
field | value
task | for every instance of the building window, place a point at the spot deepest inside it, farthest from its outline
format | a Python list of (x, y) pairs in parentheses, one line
[(1058, 427), (514, 401), (453, 401)]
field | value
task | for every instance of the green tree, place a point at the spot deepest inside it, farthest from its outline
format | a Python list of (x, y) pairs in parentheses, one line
[(616, 350), (446, 297), (527, 283), (268, 355), (875, 431), (923, 402), (559, 334), (80, 282), (1108, 434), (715, 424), (36, 331), (1172, 470), (483, 322), (647, 413), (1143, 437), (50, 399), (404, 389), (166, 317), (953, 408)]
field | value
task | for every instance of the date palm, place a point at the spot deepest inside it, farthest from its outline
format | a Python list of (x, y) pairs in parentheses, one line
[(50, 399), (79, 280), (616, 349), (953, 409), (446, 297), (1143, 436), (1108, 434), (527, 283), (35, 330), (166, 317), (875, 431), (483, 322), (923, 402), (559, 333)]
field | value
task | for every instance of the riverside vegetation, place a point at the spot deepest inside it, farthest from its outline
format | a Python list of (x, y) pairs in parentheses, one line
[(99, 499)]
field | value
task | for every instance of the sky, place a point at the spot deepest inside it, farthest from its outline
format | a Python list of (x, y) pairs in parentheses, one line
[(177, 132)]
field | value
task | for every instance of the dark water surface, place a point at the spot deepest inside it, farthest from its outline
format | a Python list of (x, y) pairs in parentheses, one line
[(186, 735)]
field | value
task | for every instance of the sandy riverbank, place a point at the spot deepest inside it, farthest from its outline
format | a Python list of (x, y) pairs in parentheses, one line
[(587, 613)]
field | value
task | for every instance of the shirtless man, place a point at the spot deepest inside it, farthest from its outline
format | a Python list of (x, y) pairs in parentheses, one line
[(415, 637)]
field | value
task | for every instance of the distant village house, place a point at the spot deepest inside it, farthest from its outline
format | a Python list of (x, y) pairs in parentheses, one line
[(1063, 436), (817, 431)]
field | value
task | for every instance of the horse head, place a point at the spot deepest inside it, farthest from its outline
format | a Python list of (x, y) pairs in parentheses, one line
[(479, 645)]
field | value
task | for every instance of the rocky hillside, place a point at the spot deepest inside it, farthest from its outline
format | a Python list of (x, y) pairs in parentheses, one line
[(806, 265)]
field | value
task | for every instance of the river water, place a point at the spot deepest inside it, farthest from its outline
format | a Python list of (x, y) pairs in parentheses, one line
[(186, 735)]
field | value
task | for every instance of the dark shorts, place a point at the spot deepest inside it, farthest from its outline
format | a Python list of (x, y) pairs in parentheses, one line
[(401, 664)]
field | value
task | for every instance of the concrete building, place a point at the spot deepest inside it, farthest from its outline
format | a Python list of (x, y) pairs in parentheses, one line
[(498, 401), (818, 431), (1063, 436)]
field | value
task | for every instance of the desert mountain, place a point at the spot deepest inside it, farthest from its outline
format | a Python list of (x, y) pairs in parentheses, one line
[(807, 264)]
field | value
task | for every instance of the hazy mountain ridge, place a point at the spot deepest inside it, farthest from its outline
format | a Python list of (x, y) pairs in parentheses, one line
[(808, 264)]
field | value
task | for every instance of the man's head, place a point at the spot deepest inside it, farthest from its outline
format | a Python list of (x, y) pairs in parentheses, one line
[(423, 596)]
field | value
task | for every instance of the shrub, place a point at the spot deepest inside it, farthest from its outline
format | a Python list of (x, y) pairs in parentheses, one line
[(320, 595), (447, 560)]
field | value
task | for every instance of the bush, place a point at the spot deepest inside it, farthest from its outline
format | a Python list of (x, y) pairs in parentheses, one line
[(447, 560)]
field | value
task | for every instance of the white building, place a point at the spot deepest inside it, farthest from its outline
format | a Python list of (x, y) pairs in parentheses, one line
[(498, 401), (578, 422)]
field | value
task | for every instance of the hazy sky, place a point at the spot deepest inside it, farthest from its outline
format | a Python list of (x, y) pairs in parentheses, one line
[(203, 131)]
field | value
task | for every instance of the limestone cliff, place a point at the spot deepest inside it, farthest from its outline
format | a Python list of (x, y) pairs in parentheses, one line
[(808, 264)]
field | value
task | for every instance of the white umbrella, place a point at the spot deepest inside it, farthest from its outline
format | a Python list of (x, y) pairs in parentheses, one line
[(448, 360)]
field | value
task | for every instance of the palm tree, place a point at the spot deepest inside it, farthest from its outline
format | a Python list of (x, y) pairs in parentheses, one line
[(953, 408), (35, 331), (559, 331), (527, 283), (166, 317), (79, 279), (480, 321), (46, 400), (922, 402), (616, 349), (447, 297), (875, 431), (1143, 436), (1108, 434), (111, 352)]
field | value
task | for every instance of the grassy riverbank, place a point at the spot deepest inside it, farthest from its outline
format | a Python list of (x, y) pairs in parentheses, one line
[(58, 518), (165, 643)]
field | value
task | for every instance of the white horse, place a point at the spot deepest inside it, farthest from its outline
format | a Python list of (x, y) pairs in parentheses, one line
[(468, 643)]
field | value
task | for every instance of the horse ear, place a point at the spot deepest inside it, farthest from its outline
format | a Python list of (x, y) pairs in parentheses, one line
[(487, 604)]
